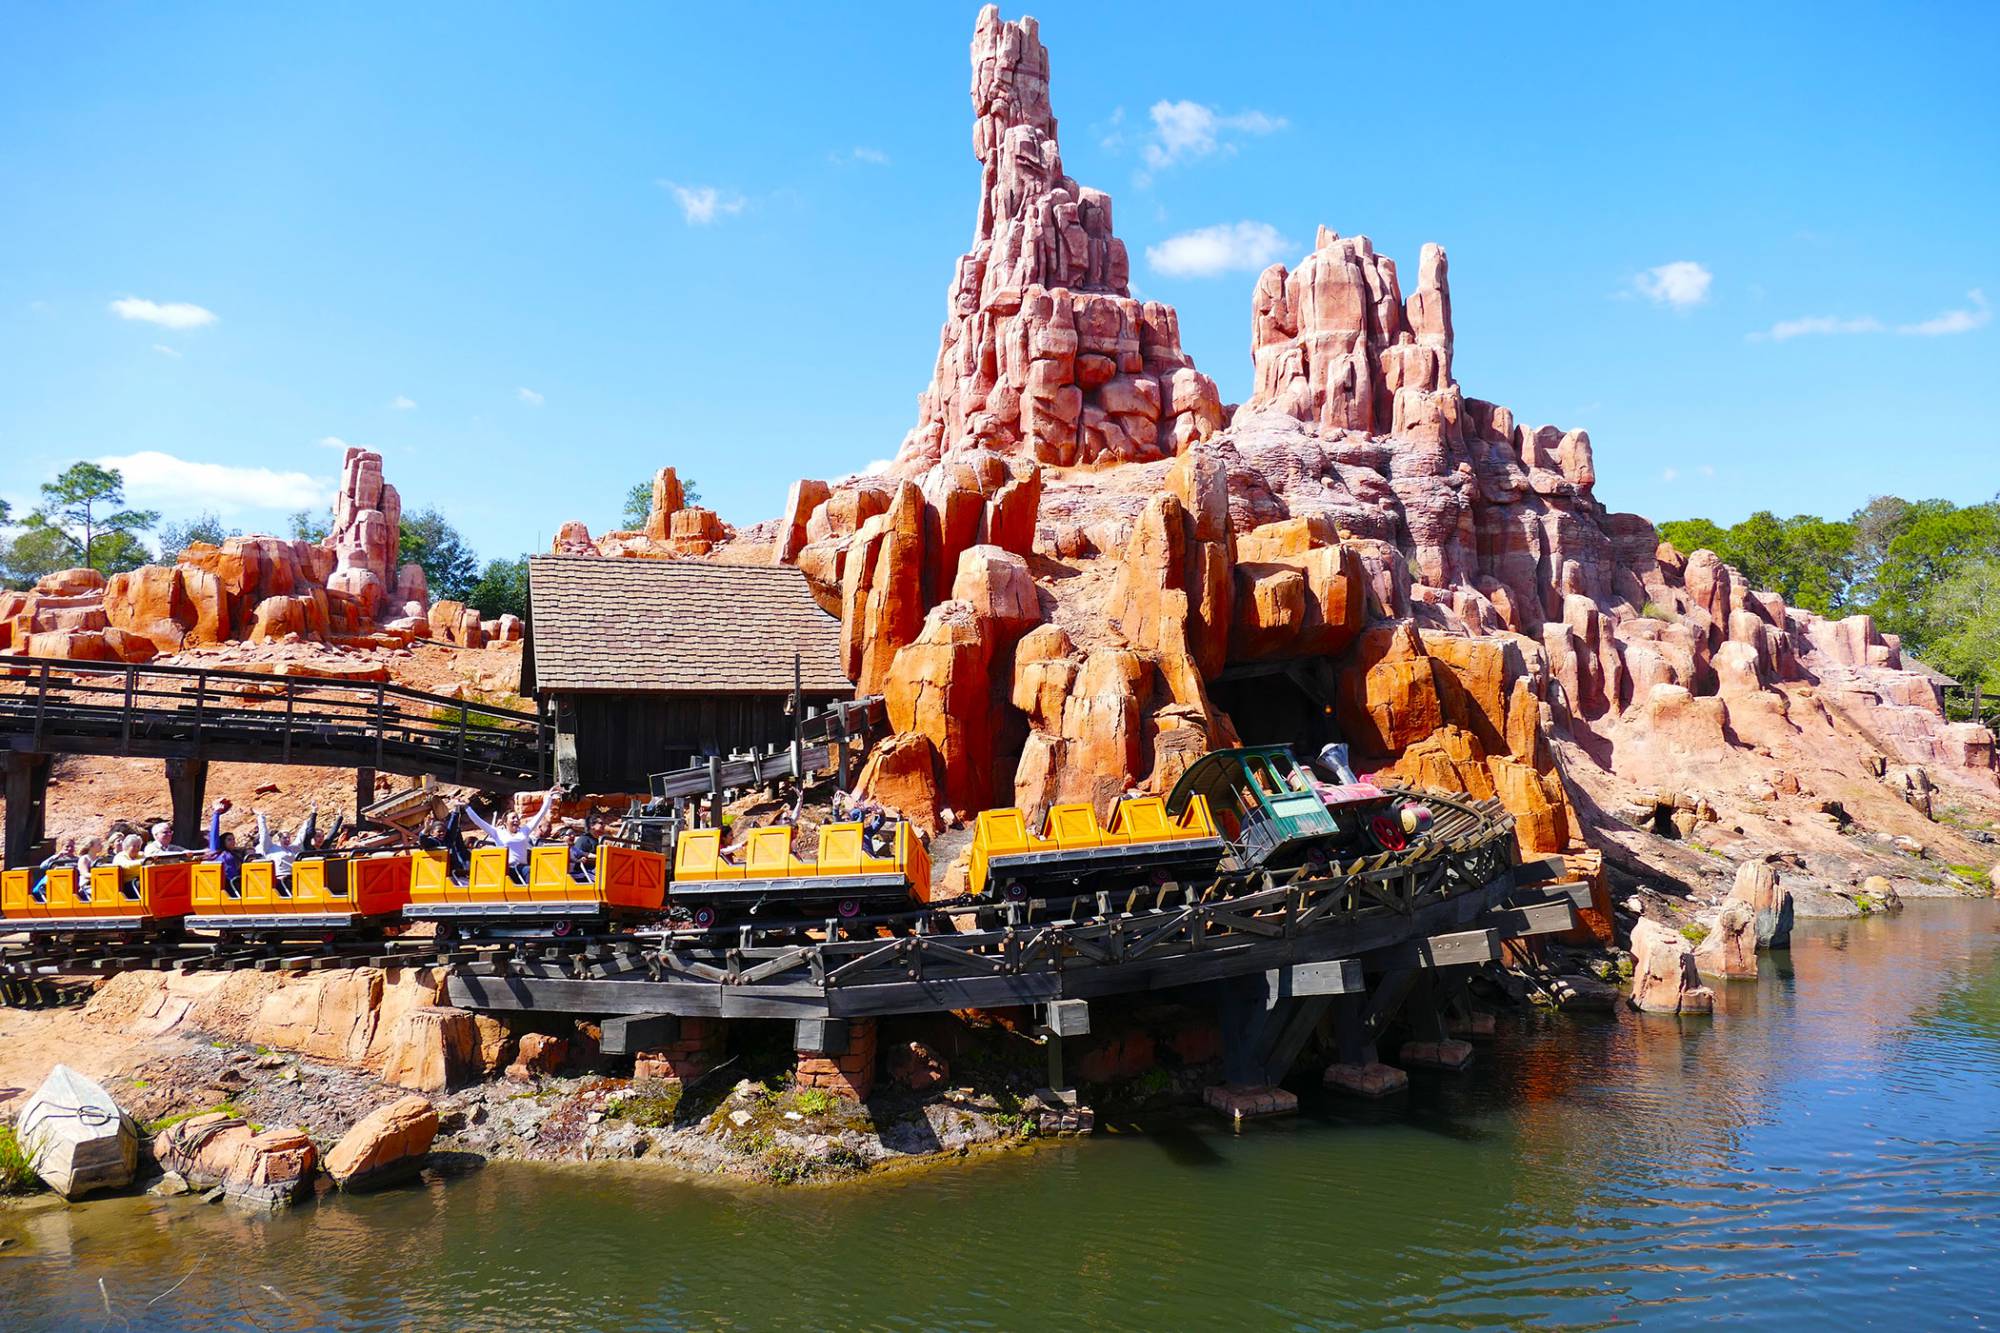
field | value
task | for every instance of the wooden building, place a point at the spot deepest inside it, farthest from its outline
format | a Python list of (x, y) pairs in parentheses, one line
[(650, 665)]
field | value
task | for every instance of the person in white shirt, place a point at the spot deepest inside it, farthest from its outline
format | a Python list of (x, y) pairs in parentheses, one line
[(162, 843), (510, 833), (276, 848)]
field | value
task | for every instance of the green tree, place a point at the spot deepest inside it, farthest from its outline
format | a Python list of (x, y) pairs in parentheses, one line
[(502, 589), (1933, 542), (1806, 560), (1689, 535), (177, 537), (639, 503), (449, 565), (1964, 623), (84, 505), (310, 527), (33, 552)]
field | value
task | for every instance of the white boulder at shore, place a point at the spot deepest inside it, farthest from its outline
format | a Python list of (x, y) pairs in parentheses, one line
[(76, 1136)]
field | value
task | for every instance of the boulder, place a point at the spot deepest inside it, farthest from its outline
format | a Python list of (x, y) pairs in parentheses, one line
[(917, 1067), (538, 1056), (996, 584), (1729, 950), (431, 1049), (901, 775), (272, 1169), (1757, 884), (386, 1145), (201, 1149), (1881, 894), (1664, 978)]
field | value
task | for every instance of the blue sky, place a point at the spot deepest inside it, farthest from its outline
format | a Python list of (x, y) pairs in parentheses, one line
[(534, 252)]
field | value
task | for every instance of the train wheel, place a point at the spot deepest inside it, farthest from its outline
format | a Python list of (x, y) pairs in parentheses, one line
[(849, 908), (704, 917), (1387, 832), (1015, 893), (562, 930)]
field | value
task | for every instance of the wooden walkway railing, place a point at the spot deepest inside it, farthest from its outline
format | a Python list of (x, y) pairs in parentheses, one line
[(172, 712)]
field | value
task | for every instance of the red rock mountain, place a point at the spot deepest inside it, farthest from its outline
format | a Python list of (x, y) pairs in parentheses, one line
[(1081, 567)]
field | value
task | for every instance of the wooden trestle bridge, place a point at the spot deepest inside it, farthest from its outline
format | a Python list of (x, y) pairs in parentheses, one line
[(192, 716), (1356, 944)]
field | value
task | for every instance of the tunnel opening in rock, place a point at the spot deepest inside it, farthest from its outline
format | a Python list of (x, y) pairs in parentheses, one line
[(1274, 707)]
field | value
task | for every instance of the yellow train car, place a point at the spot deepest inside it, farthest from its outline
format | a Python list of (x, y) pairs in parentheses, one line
[(625, 882), (324, 893), (108, 898), (843, 876), (1075, 853)]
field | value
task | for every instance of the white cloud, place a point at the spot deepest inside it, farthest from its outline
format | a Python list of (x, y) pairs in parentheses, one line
[(1977, 316), (1186, 130), (1670, 474), (165, 350), (1706, 469), (171, 315), (878, 467), (402, 402), (873, 157), (1224, 248), (159, 479), (703, 204), (334, 442), (530, 397), (1682, 284), (1820, 326)]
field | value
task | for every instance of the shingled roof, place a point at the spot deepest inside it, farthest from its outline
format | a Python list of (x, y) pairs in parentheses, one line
[(675, 626)]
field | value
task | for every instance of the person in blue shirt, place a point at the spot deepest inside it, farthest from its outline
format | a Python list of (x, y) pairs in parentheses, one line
[(222, 847), (65, 856)]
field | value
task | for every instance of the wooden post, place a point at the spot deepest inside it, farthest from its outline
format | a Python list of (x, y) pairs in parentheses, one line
[(41, 703), (364, 794), (125, 720), (715, 791), (187, 785), (291, 699), (27, 805), (200, 713)]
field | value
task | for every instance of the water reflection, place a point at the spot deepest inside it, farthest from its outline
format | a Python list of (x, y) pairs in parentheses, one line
[(1830, 1142)]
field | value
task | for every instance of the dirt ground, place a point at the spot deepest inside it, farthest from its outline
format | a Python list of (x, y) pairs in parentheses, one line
[(32, 1040)]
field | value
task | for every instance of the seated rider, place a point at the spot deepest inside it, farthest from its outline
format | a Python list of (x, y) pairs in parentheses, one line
[(222, 848), (279, 850), (444, 835), (65, 856), (162, 843), (510, 833), (131, 853), (583, 848)]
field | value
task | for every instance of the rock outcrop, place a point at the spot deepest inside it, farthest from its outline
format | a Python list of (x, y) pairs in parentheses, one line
[(348, 590), (1434, 575)]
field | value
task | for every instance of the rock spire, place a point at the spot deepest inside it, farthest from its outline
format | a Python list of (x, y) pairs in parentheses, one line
[(1044, 351)]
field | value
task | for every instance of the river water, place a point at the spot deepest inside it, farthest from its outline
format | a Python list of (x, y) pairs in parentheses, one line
[(1827, 1147)]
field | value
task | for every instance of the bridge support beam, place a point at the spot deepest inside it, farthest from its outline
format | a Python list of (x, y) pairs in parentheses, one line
[(187, 783), (364, 794), (27, 806)]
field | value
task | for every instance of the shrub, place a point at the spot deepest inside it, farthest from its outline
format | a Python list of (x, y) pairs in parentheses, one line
[(17, 1173)]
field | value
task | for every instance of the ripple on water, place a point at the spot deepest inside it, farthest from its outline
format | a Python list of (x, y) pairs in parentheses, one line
[(1830, 1143)]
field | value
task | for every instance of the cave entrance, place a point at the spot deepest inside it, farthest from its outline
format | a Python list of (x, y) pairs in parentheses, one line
[(1280, 703)]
